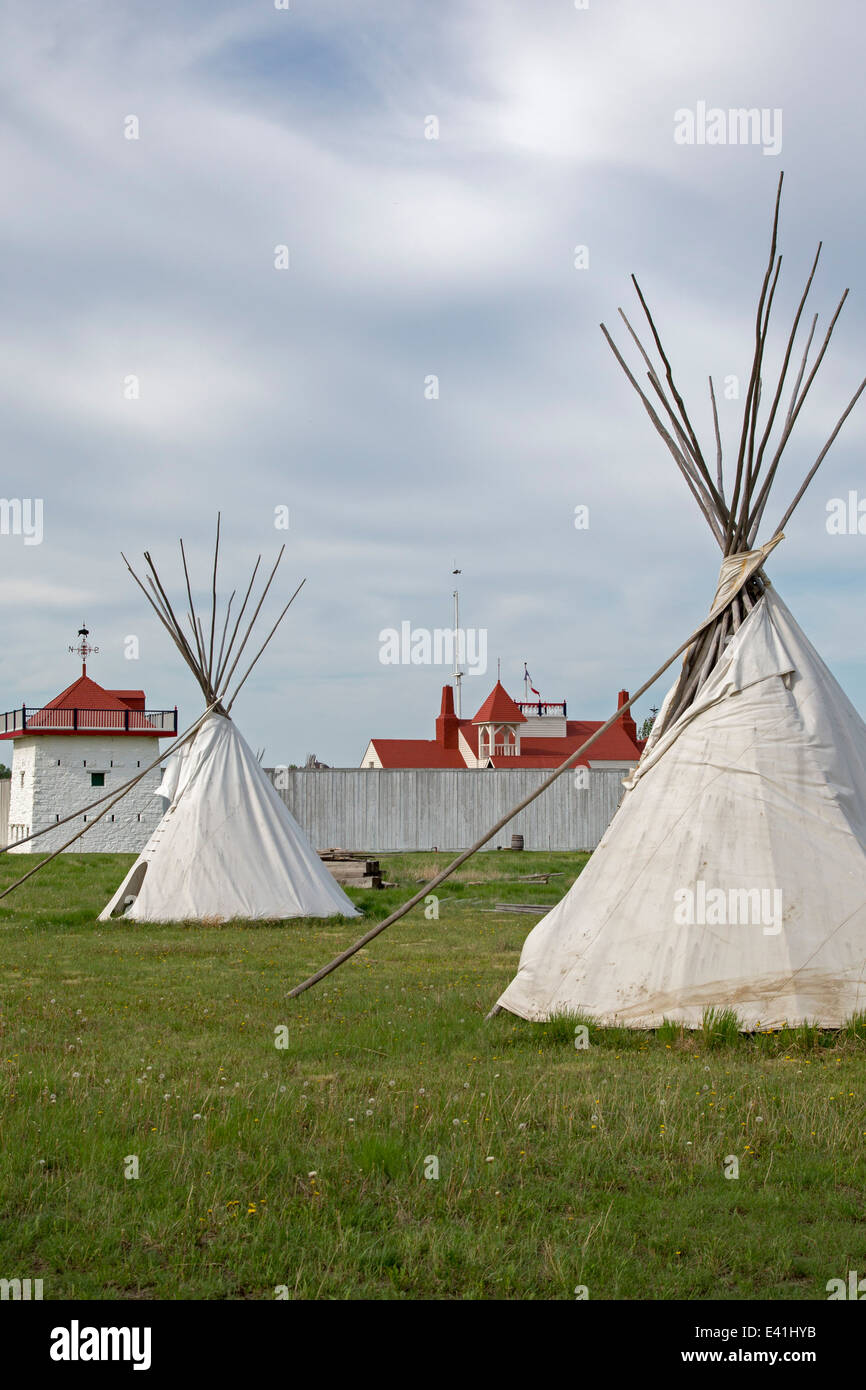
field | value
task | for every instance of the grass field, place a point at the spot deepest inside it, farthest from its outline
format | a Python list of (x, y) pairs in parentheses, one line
[(310, 1166)]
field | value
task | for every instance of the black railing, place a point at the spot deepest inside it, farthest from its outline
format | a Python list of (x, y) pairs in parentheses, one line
[(542, 707), (36, 719)]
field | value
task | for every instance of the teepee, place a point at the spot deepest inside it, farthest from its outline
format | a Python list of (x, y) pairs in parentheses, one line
[(228, 846), (733, 875)]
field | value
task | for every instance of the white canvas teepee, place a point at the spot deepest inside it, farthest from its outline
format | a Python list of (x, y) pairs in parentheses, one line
[(228, 846), (734, 872), (733, 875)]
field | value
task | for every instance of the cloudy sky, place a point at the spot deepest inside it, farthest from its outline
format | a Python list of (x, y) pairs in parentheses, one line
[(409, 258)]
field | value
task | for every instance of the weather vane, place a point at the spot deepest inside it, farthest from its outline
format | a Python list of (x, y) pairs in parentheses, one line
[(84, 649)]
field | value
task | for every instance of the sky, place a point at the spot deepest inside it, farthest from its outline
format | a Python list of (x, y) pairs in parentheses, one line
[(425, 386)]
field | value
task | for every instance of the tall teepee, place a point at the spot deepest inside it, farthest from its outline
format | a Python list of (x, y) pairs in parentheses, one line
[(228, 846), (734, 873)]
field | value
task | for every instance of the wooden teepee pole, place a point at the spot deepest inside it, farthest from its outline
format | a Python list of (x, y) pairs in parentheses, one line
[(164, 616), (708, 512), (819, 460), (754, 379), (225, 628), (213, 604), (224, 662), (192, 613), (720, 480), (264, 644), (699, 472), (695, 446), (252, 621)]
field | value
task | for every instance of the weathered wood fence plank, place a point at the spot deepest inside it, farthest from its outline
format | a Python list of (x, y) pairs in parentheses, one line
[(416, 809)]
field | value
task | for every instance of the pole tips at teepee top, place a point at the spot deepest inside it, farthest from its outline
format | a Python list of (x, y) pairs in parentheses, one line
[(213, 671), (733, 507)]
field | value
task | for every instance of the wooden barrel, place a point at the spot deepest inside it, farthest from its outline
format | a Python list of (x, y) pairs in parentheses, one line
[(517, 842)]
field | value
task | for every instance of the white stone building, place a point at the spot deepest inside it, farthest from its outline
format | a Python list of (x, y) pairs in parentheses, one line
[(72, 751)]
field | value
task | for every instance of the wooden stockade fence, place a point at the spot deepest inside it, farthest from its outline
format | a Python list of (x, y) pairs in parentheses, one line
[(377, 810)]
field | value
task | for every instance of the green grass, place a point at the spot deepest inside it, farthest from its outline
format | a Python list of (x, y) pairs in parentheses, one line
[(557, 1166)]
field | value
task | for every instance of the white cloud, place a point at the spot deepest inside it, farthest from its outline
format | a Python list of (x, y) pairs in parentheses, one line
[(409, 257)]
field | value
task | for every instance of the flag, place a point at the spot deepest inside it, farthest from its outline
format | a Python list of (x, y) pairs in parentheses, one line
[(527, 677)]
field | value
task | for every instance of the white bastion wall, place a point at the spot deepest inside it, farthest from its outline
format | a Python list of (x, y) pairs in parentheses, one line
[(52, 777)]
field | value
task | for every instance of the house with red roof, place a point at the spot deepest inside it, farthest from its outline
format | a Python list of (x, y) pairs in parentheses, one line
[(507, 733), (72, 753)]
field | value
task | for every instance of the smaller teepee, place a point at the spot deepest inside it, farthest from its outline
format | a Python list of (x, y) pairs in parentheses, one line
[(228, 846)]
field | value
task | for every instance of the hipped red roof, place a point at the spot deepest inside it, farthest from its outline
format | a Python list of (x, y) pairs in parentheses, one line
[(86, 694), (85, 708), (499, 708)]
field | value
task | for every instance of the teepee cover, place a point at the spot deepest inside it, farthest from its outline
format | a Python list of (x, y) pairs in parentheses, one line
[(752, 810), (228, 846)]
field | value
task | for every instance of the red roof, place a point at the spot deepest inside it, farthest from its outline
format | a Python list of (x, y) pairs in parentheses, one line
[(86, 694), (133, 698), (617, 745), (85, 707), (499, 708), (415, 752), (614, 746)]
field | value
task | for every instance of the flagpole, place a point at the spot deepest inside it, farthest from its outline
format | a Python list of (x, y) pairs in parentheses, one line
[(457, 672)]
